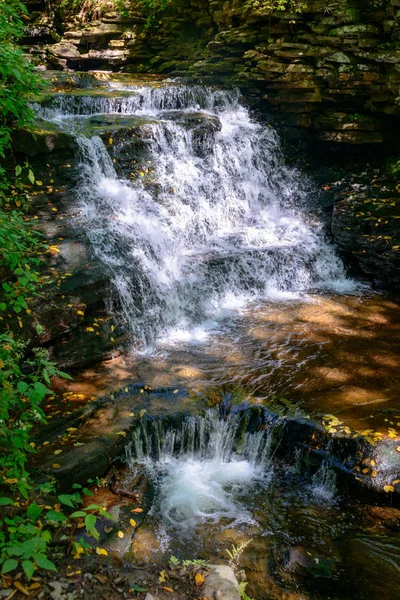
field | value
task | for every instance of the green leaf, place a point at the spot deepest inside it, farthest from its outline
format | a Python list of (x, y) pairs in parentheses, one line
[(6, 502), (3, 306), (29, 568), (78, 513), (137, 588), (45, 563), (66, 499), (18, 170), (34, 511), (22, 387), (31, 176), (64, 375), (9, 565), (53, 515), (90, 522), (41, 389), (39, 328)]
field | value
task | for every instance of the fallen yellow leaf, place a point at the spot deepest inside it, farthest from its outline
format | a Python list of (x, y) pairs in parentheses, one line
[(56, 466), (101, 551), (388, 488), (199, 579), (120, 534), (132, 522), (137, 510)]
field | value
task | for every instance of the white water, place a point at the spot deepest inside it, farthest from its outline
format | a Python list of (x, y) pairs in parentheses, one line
[(200, 469), (228, 223)]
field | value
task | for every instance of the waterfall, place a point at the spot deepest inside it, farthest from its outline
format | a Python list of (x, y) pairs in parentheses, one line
[(201, 467), (214, 220)]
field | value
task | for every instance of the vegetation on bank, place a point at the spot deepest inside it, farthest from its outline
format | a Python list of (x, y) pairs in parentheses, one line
[(32, 514), (152, 10)]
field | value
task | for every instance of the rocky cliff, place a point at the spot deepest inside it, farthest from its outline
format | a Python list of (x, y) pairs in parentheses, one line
[(333, 69)]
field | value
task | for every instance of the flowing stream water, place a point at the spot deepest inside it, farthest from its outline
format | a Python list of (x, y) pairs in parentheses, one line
[(214, 222), (207, 237)]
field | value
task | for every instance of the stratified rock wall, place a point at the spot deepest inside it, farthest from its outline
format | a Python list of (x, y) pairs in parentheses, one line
[(333, 69)]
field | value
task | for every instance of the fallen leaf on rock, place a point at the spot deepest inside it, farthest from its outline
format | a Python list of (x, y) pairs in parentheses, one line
[(199, 579), (132, 522), (101, 551), (137, 510), (56, 466), (120, 534), (168, 589), (123, 433), (57, 451), (163, 577), (101, 578), (388, 488)]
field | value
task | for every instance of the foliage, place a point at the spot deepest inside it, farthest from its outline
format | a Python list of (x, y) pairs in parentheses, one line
[(242, 588), (91, 9), (16, 74), (29, 528), (29, 523), (176, 562), (292, 6)]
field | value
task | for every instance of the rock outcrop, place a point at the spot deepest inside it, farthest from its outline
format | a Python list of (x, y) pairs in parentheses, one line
[(332, 69)]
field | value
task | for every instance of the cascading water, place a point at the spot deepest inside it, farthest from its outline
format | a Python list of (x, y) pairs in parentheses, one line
[(216, 222), (202, 467)]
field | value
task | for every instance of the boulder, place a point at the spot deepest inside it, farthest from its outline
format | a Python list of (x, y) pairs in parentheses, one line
[(63, 49), (221, 583)]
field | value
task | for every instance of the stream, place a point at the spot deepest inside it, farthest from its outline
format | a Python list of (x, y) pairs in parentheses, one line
[(228, 284)]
